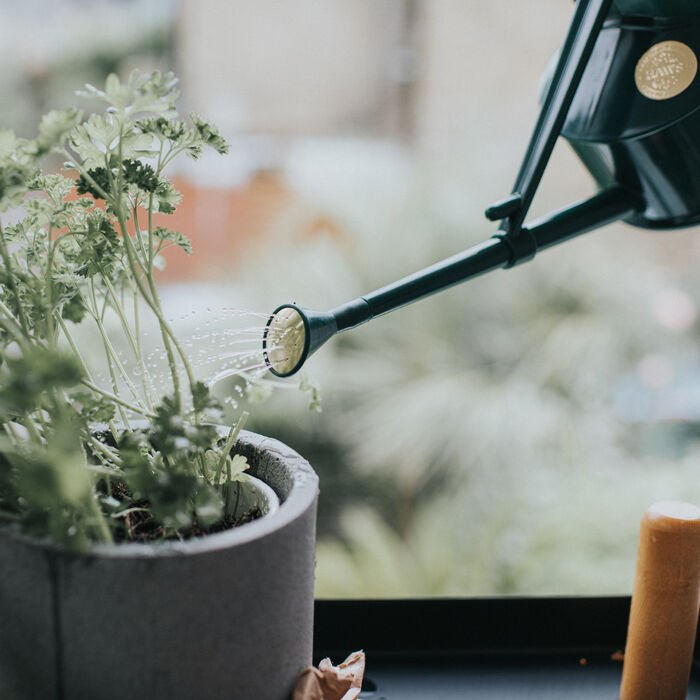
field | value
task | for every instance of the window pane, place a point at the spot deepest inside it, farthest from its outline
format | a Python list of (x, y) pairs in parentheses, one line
[(503, 437)]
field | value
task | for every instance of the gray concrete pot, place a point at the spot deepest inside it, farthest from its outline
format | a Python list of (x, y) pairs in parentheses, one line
[(225, 616)]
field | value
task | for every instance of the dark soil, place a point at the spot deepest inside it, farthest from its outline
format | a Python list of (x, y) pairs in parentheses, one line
[(140, 526)]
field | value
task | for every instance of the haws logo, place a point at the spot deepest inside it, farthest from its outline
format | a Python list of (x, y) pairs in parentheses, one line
[(665, 70)]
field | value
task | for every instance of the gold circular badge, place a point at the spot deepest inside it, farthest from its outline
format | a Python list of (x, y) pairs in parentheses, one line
[(665, 70)]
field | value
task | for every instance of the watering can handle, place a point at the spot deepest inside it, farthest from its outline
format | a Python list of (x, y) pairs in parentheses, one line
[(585, 26)]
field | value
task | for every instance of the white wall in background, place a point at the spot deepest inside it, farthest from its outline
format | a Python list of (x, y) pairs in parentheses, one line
[(285, 66)]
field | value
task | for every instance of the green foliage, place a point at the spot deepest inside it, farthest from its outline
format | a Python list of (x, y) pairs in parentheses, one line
[(55, 127), (312, 390), (166, 197), (168, 237), (72, 463), (98, 181), (94, 408), (30, 378), (208, 134), (176, 437), (57, 187), (16, 168)]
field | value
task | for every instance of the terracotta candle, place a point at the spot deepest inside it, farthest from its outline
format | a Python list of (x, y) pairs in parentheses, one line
[(664, 615)]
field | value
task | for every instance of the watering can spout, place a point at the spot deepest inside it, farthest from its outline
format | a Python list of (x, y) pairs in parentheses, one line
[(293, 333)]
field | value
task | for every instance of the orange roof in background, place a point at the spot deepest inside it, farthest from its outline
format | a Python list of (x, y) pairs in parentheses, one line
[(223, 222), (220, 223)]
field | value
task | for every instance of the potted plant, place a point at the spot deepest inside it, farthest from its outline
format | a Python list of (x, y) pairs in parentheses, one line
[(128, 567)]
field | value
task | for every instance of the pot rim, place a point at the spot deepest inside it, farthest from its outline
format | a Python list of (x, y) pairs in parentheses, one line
[(301, 496)]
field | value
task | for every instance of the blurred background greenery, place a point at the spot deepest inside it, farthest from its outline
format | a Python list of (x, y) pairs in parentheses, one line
[(501, 438)]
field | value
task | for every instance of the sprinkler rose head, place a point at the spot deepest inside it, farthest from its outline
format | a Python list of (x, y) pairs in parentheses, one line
[(286, 340), (291, 335)]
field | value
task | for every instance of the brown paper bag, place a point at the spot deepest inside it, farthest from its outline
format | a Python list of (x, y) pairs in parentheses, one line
[(329, 682)]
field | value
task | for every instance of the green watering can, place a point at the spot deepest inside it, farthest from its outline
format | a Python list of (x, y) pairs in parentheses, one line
[(625, 94)]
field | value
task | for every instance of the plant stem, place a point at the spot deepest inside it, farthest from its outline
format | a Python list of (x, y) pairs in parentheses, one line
[(12, 283), (115, 388), (50, 325), (13, 328), (33, 430), (109, 352), (228, 445), (111, 454), (140, 410), (148, 382), (135, 347), (112, 355), (89, 382), (164, 328), (229, 487), (151, 254), (101, 522), (156, 298), (139, 238), (74, 348)]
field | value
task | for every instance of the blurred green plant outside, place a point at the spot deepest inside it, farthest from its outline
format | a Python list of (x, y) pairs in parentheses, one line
[(506, 436), (503, 437)]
